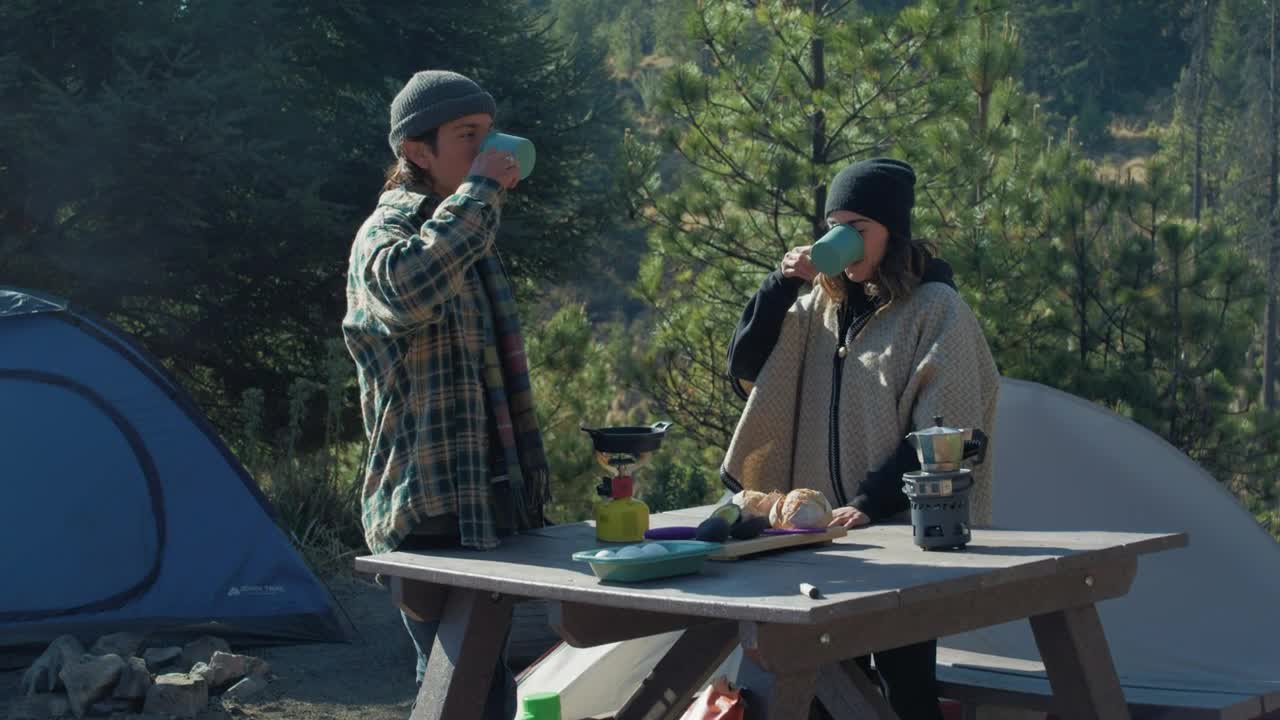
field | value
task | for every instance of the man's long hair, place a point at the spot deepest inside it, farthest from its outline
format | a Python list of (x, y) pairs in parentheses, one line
[(406, 173)]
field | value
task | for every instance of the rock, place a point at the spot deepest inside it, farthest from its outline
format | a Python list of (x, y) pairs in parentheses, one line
[(227, 668), (160, 658), (111, 706), (200, 670), (42, 676), (202, 649), (40, 706), (29, 707), (91, 680), (134, 682), (246, 688), (224, 669), (123, 644), (177, 694)]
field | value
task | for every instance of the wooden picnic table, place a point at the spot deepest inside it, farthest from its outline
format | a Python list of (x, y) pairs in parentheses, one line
[(878, 591)]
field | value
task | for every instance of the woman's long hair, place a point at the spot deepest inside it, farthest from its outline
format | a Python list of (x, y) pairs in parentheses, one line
[(897, 276), (406, 173)]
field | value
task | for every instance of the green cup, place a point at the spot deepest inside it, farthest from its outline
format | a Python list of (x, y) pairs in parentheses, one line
[(521, 148), (540, 706), (841, 246)]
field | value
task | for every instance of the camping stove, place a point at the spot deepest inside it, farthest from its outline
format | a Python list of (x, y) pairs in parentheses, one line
[(939, 490), (621, 517), (939, 507)]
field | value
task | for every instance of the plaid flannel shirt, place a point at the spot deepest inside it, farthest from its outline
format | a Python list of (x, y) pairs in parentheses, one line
[(416, 328)]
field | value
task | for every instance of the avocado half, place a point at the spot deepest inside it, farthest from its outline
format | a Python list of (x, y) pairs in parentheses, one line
[(713, 529), (749, 527)]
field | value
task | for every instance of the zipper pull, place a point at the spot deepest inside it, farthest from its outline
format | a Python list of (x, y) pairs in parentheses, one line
[(842, 352)]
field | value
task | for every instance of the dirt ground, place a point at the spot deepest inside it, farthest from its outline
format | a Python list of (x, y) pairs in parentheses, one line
[(371, 678)]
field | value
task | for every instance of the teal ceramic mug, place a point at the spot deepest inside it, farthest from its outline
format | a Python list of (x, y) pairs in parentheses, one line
[(833, 252), (521, 148)]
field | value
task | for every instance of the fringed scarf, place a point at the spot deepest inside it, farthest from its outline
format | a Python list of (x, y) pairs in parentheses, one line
[(520, 458)]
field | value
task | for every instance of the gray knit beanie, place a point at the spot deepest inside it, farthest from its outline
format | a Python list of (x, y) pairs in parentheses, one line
[(432, 98)]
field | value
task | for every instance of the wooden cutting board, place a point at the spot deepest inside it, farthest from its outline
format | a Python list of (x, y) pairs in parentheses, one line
[(737, 549)]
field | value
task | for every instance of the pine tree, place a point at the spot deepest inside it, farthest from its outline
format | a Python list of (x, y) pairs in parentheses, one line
[(1093, 58), (197, 170), (1106, 288), (791, 94)]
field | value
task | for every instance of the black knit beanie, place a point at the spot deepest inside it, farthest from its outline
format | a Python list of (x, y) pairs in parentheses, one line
[(882, 189), (432, 98)]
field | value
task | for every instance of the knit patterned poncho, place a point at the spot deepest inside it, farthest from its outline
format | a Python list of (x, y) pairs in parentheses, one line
[(916, 358)]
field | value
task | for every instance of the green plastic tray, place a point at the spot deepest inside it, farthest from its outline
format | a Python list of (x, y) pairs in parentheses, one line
[(684, 557)]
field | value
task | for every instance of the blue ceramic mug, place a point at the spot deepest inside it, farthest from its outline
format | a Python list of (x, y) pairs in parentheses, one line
[(521, 148), (833, 252)]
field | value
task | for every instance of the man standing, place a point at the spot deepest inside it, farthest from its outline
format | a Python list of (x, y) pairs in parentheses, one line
[(455, 455)]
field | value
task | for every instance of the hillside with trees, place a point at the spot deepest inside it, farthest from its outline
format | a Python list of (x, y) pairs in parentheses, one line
[(1102, 176), (1096, 192)]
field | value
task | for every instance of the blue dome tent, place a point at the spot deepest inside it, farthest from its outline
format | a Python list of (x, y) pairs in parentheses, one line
[(122, 509)]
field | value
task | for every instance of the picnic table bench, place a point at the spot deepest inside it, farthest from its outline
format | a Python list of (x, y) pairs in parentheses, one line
[(878, 591), (978, 680)]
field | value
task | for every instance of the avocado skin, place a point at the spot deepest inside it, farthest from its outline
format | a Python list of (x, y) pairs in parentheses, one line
[(730, 512), (749, 528), (713, 529)]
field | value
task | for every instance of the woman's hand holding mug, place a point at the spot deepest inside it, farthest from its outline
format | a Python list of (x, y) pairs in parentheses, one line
[(797, 263)]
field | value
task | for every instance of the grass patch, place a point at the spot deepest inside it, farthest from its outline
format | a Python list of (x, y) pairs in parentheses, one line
[(317, 504), (316, 493)]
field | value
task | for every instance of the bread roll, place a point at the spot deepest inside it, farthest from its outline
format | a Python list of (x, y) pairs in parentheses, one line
[(755, 503), (801, 508)]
